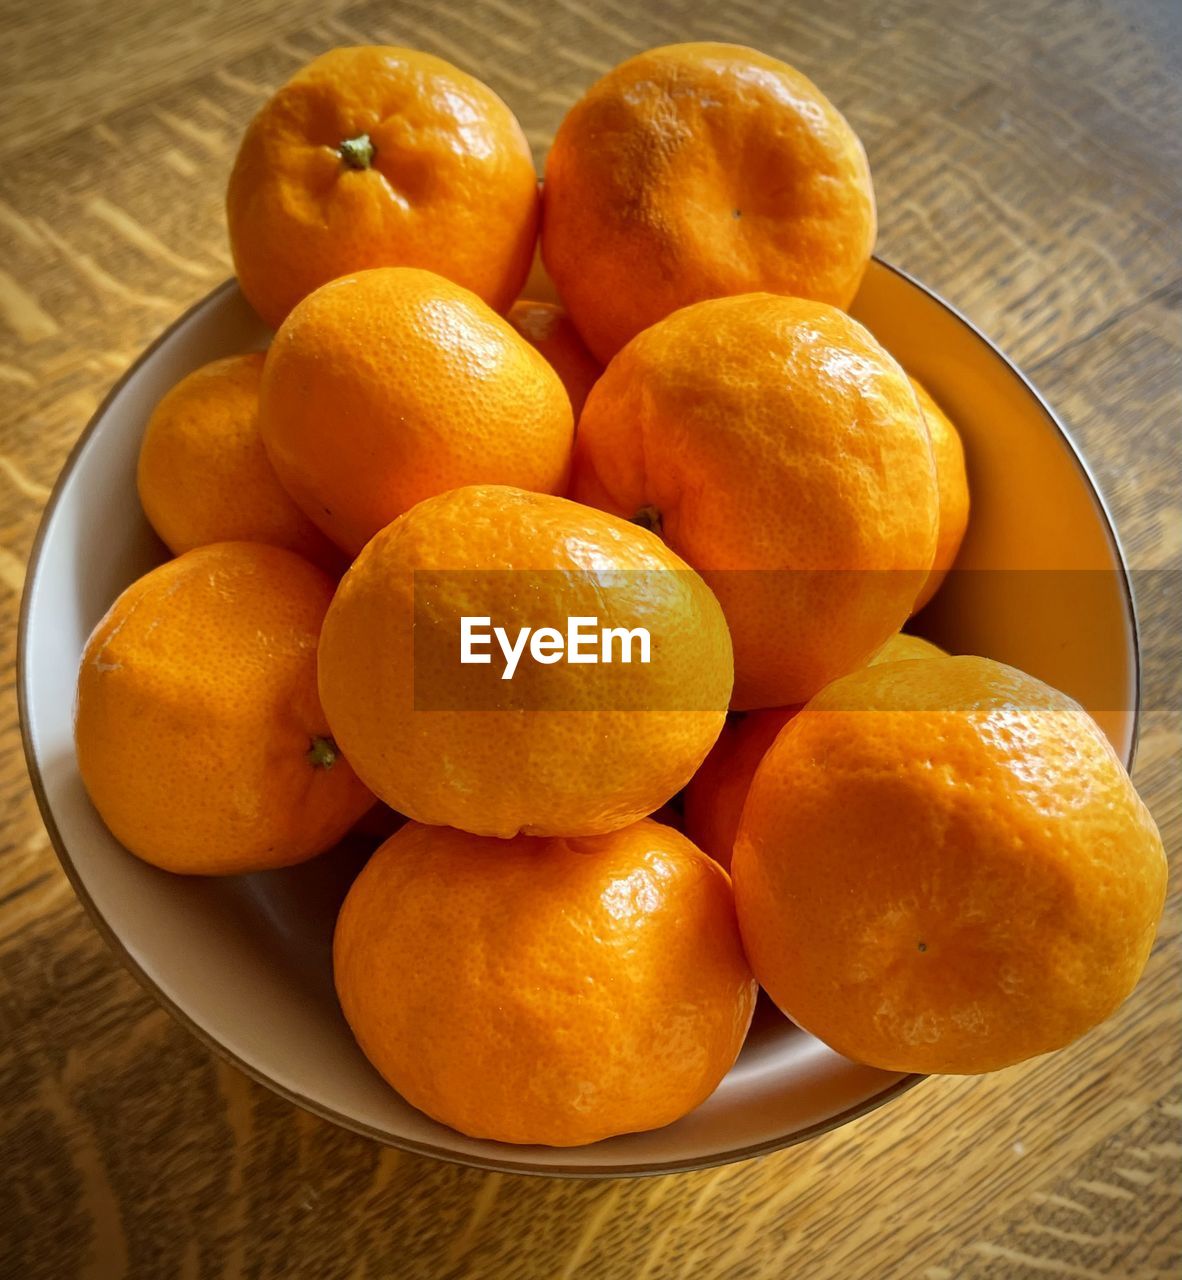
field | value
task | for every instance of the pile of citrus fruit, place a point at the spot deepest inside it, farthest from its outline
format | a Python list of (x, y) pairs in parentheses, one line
[(932, 863)]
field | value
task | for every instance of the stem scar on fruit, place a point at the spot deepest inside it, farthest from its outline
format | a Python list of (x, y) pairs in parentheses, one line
[(322, 753), (923, 946), (358, 152)]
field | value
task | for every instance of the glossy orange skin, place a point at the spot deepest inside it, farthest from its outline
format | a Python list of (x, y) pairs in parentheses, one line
[(970, 880), (545, 991), (393, 385), (571, 752), (203, 474), (698, 171), (716, 794), (953, 484), (546, 326), (784, 454), (451, 187), (197, 710)]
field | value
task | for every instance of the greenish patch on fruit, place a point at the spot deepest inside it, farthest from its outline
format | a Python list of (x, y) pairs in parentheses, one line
[(323, 753), (358, 152)]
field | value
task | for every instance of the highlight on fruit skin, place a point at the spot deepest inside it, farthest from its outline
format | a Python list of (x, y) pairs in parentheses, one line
[(563, 750), (545, 990), (781, 451), (199, 734), (971, 880), (696, 171), (378, 156)]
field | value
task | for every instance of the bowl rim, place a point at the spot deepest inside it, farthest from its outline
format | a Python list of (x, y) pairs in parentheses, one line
[(312, 1105)]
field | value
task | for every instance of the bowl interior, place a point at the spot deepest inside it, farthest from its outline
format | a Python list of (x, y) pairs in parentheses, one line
[(245, 961)]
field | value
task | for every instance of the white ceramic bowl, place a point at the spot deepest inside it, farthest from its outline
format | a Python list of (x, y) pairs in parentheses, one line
[(244, 962)]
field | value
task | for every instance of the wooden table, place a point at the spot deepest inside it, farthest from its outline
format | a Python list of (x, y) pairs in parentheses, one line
[(1026, 155)]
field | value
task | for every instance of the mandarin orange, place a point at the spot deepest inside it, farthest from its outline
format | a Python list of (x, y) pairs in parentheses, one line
[(782, 453), (697, 171), (545, 991), (952, 482), (203, 474), (199, 732), (392, 385), (546, 326), (559, 748), (904, 648), (943, 866), (374, 157)]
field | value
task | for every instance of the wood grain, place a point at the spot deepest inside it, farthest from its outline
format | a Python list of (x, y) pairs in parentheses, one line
[(1026, 157)]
